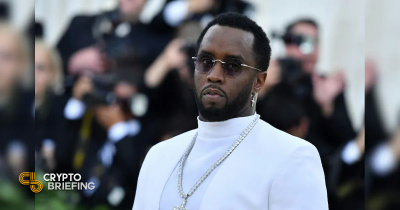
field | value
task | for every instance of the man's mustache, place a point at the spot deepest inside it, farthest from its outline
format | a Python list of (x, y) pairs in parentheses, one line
[(212, 86)]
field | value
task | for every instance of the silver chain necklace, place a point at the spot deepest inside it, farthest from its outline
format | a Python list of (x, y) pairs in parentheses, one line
[(208, 172)]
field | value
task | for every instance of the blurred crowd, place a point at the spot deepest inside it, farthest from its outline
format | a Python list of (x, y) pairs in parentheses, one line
[(113, 87)]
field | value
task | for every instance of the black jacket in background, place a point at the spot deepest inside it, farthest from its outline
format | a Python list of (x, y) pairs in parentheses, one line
[(378, 186), (17, 124), (147, 43), (126, 164), (49, 119)]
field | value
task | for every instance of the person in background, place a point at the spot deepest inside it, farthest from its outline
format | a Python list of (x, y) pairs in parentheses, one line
[(382, 150), (16, 117), (382, 172), (324, 94), (177, 12), (104, 141), (330, 128), (49, 104), (284, 110), (166, 79), (16, 102), (90, 42), (171, 76)]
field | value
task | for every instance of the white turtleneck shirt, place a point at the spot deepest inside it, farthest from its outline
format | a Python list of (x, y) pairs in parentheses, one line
[(268, 170), (213, 140)]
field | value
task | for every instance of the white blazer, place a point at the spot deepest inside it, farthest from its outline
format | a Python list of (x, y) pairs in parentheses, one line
[(269, 170)]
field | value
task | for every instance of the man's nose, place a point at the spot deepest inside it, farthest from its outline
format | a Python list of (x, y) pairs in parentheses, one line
[(216, 74)]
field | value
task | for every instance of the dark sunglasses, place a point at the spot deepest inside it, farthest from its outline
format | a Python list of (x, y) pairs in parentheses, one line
[(232, 66)]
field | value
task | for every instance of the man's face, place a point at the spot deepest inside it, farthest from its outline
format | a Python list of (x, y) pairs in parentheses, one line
[(219, 96), (292, 50)]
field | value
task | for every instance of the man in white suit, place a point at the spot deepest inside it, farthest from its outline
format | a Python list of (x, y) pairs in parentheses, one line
[(234, 160)]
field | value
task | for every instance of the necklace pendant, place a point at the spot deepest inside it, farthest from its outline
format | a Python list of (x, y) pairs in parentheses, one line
[(182, 206)]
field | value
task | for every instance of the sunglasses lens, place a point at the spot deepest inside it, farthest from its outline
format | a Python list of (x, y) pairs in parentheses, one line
[(233, 68), (204, 63)]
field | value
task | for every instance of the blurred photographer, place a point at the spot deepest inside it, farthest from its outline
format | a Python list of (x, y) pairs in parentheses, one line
[(105, 135), (330, 128), (176, 12), (49, 104), (92, 42), (323, 96), (170, 80), (284, 110), (382, 152), (16, 103)]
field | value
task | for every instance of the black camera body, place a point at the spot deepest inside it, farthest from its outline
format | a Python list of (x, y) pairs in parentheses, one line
[(127, 70), (291, 69), (292, 73), (103, 90), (103, 94)]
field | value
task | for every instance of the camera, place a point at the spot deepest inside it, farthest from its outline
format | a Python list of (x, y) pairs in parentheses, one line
[(291, 69), (292, 74), (103, 90), (128, 72)]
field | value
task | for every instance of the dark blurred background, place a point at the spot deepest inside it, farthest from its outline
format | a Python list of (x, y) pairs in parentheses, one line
[(114, 77)]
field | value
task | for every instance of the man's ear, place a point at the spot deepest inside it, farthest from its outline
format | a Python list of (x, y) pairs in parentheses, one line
[(260, 81)]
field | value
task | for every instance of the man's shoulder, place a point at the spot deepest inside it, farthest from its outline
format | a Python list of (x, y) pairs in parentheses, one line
[(284, 143), (284, 149)]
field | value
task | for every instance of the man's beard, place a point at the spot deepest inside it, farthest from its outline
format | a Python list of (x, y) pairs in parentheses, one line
[(230, 109)]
